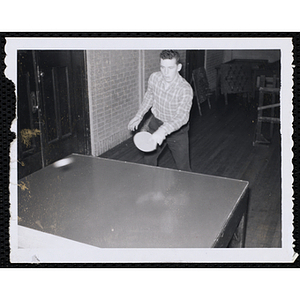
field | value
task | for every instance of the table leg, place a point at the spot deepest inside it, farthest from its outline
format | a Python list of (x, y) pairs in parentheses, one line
[(226, 99), (233, 234), (238, 239)]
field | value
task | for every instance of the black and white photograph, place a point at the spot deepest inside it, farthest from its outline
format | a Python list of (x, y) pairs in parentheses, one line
[(151, 150)]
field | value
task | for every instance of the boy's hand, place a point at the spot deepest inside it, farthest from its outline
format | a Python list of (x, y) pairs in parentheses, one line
[(134, 123), (159, 136)]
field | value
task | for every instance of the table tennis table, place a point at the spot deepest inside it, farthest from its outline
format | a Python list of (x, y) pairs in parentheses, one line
[(114, 204)]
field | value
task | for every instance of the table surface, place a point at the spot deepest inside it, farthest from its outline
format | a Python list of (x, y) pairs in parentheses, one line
[(113, 204)]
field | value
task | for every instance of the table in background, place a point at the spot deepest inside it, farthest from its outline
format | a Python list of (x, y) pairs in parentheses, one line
[(114, 204)]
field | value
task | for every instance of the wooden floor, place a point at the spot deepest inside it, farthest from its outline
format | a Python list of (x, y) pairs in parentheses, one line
[(221, 144)]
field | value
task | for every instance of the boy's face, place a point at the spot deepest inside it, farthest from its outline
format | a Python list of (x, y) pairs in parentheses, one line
[(169, 69)]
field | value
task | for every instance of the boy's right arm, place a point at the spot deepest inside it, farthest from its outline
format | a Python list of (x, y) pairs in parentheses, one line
[(146, 104), (134, 123)]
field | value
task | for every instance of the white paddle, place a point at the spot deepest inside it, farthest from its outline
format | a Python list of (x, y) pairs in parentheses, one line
[(144, 142)]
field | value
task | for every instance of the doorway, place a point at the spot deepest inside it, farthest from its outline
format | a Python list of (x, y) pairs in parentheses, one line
[(53, 114), (194, 60)]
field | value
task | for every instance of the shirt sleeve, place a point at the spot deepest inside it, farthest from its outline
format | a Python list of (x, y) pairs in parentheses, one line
[(183, 111), (148, 99)]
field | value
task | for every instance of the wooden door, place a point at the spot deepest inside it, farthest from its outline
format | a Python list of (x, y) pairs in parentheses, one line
[(53, 107), (194, 60), (29, 126)]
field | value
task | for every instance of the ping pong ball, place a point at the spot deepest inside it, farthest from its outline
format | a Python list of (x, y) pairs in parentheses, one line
[(63, 162)]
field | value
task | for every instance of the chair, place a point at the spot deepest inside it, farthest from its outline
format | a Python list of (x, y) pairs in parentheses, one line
[(236, 78), (201, 87), (268, 90)]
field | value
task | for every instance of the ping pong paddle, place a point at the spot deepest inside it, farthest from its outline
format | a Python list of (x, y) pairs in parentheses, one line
[(144, 142)]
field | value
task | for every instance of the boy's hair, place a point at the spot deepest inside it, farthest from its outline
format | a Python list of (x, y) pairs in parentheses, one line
[(170, 54)]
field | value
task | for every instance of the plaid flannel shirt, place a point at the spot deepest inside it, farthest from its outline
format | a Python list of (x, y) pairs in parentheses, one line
[(172, 106)]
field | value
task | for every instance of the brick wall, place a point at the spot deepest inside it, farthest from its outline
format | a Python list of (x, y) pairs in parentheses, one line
[(117, 80), (151, 63), (113, 83)]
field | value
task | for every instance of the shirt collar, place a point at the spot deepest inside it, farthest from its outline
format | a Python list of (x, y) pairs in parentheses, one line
[(175, 81)]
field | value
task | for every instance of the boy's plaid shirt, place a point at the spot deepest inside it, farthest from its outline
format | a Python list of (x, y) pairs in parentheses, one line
[(171, 106)]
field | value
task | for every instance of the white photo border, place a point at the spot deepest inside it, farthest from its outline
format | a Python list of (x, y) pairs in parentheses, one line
[(285, 254)]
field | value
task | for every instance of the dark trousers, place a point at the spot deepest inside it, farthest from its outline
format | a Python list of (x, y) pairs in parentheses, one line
[(178, 143)]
